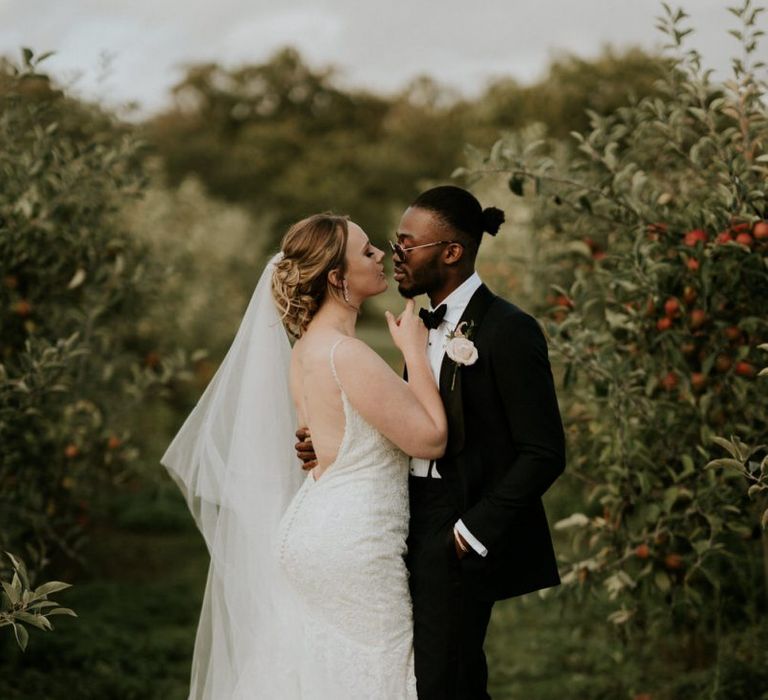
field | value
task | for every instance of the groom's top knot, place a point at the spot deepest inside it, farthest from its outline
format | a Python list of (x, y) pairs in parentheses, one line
[(493, 219), (459, 209)]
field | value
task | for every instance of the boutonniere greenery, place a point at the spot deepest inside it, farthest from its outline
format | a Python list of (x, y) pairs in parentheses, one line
[(460, 347)]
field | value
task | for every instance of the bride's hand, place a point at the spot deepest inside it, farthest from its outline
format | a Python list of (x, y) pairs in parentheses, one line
[(407, 330)]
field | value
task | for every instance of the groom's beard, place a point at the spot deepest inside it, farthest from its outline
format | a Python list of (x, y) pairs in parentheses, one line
[(422, 280)]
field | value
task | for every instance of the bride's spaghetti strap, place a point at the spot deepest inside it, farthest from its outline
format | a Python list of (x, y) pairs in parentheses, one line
[(333, 364)]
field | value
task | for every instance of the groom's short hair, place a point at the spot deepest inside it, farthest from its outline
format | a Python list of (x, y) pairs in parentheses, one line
[(460, 210)]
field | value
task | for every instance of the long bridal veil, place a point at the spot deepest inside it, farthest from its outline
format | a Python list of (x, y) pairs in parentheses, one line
[(234, 461)]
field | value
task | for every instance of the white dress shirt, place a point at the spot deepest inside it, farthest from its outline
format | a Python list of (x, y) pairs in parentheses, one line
[(455, 303)]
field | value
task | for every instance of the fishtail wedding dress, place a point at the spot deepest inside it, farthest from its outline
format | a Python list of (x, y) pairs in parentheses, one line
[(307, 593)]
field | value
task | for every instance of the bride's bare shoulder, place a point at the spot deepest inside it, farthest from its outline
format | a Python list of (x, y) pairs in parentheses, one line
[(354, 357), (314, 348)]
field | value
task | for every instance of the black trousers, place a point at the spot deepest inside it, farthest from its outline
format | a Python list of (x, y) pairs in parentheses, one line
[(449, 625)]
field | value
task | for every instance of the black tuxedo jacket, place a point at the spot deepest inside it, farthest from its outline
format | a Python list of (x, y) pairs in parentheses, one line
[(505, 448)]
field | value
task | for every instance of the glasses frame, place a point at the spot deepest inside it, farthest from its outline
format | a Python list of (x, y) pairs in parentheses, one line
[(400, 251)]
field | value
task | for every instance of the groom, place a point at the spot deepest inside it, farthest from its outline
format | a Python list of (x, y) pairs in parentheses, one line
[(478, 530)]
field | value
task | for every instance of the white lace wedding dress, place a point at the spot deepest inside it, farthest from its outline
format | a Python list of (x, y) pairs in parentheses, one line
[(342, 546)]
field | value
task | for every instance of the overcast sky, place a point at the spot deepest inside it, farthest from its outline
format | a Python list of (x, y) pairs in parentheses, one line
[(378, 45)]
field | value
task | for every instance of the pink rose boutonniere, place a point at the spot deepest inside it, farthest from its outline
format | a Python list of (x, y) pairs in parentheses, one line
[(460, 348)]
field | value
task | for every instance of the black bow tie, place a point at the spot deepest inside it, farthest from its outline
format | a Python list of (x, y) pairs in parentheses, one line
[(432, 319)]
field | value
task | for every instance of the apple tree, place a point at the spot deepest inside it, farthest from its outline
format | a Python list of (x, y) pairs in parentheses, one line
[(651, 268)]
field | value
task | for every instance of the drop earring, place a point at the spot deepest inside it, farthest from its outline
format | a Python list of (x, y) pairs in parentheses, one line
[(345, 291)]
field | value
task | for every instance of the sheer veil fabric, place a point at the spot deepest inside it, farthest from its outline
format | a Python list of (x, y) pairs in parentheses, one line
[(234, 462)]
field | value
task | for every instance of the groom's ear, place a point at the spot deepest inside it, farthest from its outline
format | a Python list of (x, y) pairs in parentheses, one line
[(453, 254)]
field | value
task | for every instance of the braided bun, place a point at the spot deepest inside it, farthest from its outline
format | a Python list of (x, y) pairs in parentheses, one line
[(295, 306)]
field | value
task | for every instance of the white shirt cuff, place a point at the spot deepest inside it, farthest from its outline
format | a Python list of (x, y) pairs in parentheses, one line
[(473, 542)]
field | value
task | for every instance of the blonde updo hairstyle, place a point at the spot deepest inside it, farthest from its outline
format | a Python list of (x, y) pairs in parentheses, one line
[(311, 249)]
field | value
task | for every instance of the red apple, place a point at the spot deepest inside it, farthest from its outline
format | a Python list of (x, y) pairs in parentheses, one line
[(698, 318), (760, 230), (692, 264), (740, 226), (733, 333), (23, 308), (744, 239), (114, 442), (744, 369), (673, 561), (695, 236), (71, 451), (664, 323), (670, 381), (671, 307), (723, 363), (698, 381), (723, 237), (642, 551)]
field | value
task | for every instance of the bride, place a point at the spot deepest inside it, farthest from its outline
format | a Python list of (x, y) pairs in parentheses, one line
[(307, 592)]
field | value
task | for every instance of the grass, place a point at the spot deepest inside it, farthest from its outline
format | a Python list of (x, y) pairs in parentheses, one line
[(138, 603)]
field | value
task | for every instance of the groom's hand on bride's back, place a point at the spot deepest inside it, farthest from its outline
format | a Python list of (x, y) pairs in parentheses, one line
[(304, 450)]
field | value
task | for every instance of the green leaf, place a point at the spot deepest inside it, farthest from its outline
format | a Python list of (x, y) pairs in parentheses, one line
[(63, 611), (77, 279), (662, 581), (35, 620), (688, 467), (725, 463), (21, 569), (22, 636), (728, 445), (50, 587), (13, 595)]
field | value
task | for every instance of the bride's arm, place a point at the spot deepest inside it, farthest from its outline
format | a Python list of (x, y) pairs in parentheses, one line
[(410, 414)]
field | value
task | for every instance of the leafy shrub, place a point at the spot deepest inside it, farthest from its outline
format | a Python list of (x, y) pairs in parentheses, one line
[(20, 604), (651, 263), (74, 285)]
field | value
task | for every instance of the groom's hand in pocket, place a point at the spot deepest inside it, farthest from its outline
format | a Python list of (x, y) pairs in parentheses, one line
[(461, 545), (304, 450)]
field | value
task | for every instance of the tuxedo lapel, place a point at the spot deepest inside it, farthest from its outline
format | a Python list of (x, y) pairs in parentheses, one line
[(450, 372)]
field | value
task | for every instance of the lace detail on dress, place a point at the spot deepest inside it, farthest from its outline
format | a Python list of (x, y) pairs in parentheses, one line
[(342, 546)]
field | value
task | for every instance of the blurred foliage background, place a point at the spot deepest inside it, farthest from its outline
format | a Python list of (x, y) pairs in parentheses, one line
[(128, 253)]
